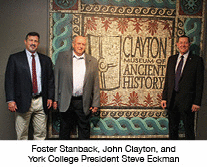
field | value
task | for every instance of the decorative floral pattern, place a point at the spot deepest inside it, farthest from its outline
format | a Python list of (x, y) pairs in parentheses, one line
[(191, 7), (152, 27), (65, 4), (137, 25), (106, 23), (123, 25), (90, 24), (133, 100)]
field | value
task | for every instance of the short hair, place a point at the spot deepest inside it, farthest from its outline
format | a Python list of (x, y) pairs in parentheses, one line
[(32, 34), (76, 37), (184, 36)]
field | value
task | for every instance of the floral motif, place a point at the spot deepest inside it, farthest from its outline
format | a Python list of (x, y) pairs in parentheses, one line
[(191, 7), (153, 27), (123, 24), (117, 99), (103, 98), (159, 98), (133, 99), (106, 21), (137, 25), (106, 24), (148, 101), (167, 27), (65, 4), (90, 24)]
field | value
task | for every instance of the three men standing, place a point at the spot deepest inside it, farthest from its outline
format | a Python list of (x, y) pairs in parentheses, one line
[(29, 86)]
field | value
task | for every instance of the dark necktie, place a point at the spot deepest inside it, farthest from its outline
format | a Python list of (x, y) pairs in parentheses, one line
[(178, 73), (79, 58), (34, 75)]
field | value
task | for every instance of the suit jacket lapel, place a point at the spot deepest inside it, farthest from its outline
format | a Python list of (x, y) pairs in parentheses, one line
[(42, 67), (70, 67), (187, 65), (87, 61), (25, 61), (174, 63)]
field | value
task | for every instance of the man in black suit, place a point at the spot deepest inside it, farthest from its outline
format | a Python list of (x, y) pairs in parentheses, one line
[(29, 87), (182, 93)]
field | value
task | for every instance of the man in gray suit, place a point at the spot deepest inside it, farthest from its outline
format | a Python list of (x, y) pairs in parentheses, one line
[(77, 91)]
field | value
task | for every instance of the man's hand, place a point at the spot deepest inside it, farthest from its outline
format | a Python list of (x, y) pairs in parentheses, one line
[(94, 109), (195, 108), (55, 105), (49, 103), (163, 104), (12, 106)]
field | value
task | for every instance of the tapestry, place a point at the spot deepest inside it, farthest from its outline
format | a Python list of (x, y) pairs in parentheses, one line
[(132, 40)]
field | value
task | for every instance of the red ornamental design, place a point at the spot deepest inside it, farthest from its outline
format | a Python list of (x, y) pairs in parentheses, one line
[(148, 101), (152, 27), (103, 98), (107, 21), (137, 25), (90, 24), (117, 101), (159, 98), (133, 100), (123, 25)]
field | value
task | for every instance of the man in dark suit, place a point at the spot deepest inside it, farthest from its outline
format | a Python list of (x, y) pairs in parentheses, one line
[(29, 87), (182, 93), (77, 91)]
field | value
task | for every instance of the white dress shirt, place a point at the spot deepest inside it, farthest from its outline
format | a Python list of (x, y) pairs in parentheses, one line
[(185, 57), (79, 69), (38, 68)]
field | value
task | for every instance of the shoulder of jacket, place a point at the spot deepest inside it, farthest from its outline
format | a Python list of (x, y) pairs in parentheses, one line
[(91, 57), (40, 54), (176, 55), (65, 53), (44, 57), (195, 56), (63, 57), (17, 55), (173, 57)]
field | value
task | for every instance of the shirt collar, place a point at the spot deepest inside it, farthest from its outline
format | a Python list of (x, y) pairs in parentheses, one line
[(30, 54), (78, 57), (185, 55)]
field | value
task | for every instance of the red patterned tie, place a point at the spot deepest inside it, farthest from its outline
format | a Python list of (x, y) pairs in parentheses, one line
[(34, 76)]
